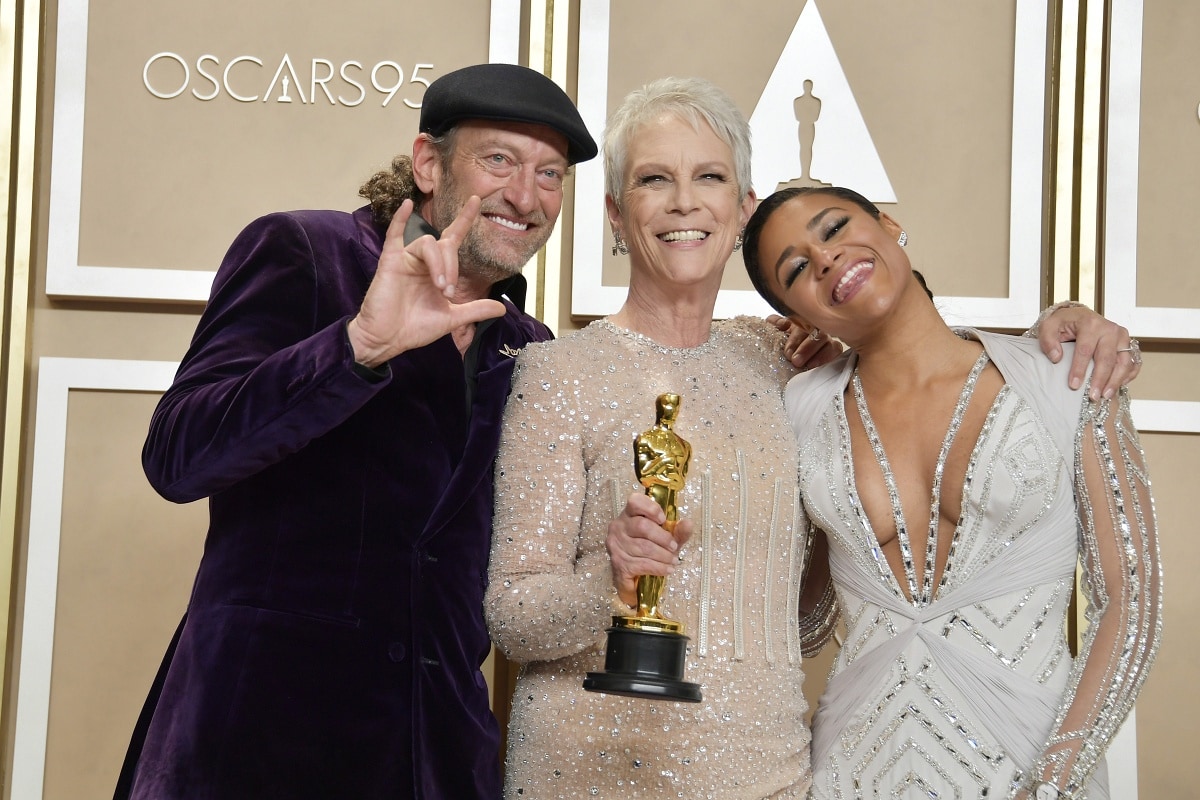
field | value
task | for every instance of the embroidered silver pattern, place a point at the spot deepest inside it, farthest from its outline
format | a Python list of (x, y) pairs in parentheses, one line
[(925, 733)]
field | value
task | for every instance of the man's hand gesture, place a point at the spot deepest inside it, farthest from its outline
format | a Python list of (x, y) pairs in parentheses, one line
[(411, 300)]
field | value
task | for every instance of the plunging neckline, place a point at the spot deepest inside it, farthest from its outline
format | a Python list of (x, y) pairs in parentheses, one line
[(927, 592)]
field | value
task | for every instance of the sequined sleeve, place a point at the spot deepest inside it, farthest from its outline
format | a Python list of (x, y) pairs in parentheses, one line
[(549, 595), (1122, 584)]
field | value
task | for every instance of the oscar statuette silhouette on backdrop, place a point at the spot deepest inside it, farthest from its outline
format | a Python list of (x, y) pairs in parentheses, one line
[(645, 653)]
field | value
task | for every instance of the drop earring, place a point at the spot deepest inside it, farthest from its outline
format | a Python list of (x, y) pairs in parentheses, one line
[(737, 243), (619, 246), (903, 240)]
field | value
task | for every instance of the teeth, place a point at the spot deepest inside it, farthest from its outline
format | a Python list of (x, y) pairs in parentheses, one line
[(508, 223), (683, 236), (848, 277)]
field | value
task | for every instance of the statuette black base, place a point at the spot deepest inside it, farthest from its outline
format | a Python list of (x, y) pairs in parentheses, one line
[(644, 663)]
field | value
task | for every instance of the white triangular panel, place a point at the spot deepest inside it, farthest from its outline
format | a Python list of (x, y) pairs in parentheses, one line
[(843, 153)]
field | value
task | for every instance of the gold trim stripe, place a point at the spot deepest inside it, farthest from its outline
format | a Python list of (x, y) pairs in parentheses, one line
[(20, 35)]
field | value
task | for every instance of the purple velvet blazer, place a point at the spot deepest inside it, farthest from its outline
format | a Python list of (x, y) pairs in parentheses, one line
[(333, 641)]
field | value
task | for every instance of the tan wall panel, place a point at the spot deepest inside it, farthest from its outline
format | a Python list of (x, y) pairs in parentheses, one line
[(1169, 372), (126, 565), (934, 83), (1169, 158), (169, 182), (1168, 713)]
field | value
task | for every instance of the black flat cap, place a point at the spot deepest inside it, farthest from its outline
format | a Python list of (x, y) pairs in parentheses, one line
[(506, 93)]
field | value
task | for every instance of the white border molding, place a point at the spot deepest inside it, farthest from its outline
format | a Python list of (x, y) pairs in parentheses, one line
[(56, 378), (504, 39), (1166, 416), (65, 276), (590, 297)]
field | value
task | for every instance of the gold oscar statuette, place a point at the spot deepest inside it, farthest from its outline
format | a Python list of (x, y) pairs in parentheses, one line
[(645, 652)]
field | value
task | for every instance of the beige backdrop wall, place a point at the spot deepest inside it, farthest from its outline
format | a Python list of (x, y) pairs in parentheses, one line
[(160, 186)]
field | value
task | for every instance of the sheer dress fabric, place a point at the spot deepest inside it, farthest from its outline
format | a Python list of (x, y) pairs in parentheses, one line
[(565, 470), (973, 692)]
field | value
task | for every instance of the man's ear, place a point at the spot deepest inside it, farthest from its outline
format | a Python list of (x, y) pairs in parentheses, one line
[(427, 164)]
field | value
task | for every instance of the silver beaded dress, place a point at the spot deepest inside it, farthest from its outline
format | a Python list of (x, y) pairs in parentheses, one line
[(968, 689), (564, 471)]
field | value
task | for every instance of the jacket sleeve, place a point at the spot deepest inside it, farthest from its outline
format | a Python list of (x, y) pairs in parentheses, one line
[(1122, 582), (269, 368)]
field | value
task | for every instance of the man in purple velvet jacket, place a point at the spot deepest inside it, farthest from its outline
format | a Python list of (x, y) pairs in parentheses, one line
[(340, 406)]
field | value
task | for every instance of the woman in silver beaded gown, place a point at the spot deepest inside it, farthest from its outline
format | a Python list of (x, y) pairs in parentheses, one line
[(958, 481), (677, 172)]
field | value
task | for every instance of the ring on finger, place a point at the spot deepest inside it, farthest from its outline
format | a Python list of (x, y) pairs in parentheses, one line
[(1134, 350)]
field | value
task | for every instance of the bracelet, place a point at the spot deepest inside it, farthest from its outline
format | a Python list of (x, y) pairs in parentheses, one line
[(1033, 332)]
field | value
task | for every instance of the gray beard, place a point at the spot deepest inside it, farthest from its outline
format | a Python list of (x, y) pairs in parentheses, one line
[(473, 258), (472, 261)]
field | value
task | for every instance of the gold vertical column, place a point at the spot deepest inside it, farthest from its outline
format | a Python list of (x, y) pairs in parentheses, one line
[(1090, 157), (1091, 53), (1064, 252), (1077, 201), (20, 35), (549, 32), (1077, 151)]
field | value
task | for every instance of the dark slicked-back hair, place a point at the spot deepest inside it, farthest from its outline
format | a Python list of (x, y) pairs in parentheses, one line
[(766, 209)]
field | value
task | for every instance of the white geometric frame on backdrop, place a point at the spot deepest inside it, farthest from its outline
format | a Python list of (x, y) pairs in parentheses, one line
[(1123, 129), (1121, 187), (591, 298), (65, 276), (56, 378)]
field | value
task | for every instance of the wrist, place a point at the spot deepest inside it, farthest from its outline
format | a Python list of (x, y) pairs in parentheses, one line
[(363, 353), (1049, 310)]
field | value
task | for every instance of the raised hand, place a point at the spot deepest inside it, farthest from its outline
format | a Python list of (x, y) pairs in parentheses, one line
[(412, 298)]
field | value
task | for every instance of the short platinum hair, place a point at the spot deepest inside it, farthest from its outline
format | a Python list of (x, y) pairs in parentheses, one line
[(693, 100)]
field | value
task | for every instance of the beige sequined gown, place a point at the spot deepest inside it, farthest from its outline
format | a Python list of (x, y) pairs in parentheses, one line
[(958, 692), (565, 469)]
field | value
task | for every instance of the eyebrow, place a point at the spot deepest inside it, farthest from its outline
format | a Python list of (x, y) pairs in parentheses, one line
[(816, 220), (787, 251), (501, 143), (784, 256)]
